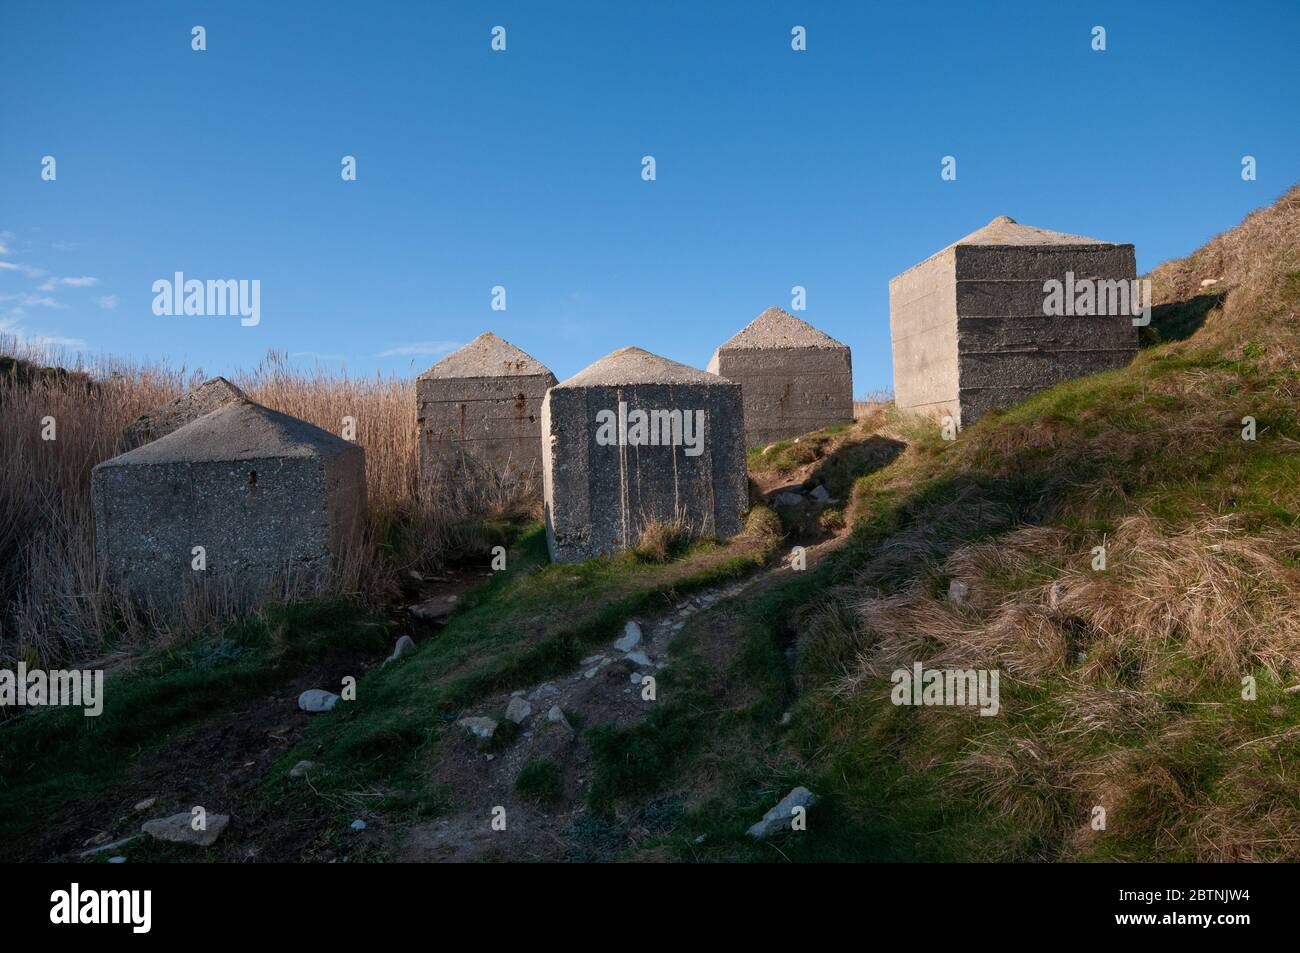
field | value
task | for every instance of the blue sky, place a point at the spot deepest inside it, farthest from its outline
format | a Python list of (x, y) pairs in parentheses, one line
[(523, 168)]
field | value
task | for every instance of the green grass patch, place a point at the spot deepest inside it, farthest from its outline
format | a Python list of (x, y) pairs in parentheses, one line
[(59, 757), (532, 622), (540, 781)]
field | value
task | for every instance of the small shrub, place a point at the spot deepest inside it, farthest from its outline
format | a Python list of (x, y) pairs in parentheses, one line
[(661, 540), (832, 520), (540, 781)]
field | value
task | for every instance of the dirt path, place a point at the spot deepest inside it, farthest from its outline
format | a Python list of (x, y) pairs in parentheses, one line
[(223, 763), (607, 689)]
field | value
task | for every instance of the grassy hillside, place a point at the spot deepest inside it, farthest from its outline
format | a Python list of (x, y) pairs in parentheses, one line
[(1123, 688), (1120, 689)]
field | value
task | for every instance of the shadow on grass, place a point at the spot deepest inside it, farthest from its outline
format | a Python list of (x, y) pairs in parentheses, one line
[(1179, 320)]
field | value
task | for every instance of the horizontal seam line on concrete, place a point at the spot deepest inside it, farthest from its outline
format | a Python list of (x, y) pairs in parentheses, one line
[(527, 437), (930, 403), (1033, 387), (933, 327), (1056, 350), (929, 294)]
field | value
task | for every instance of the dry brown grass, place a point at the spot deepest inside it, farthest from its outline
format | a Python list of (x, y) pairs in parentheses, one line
[(1173, 611), (1121, 688), (1257, 263), (53, 605), (662, 539), (383, 407)]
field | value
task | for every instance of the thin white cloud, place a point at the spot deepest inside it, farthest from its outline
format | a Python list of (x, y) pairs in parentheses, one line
[(31, 271), (33, 301), (83, 282), (11, 318), (11, 326), (27, 270), (45, 341), (420, 349)]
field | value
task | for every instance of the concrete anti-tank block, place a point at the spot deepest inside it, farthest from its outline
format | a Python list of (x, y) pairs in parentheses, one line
[(969, 328), (793, 378), (636, 438), (266, 496), (207, 397), (481, 406)]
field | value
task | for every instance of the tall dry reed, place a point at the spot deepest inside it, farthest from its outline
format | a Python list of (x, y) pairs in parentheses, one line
[(54, 607)]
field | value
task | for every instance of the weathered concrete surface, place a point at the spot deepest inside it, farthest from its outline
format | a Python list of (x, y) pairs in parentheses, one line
[(269, 497), (599, 496), (207, 397), (968, 328), (923, 326), (793, 378), (481, 404)]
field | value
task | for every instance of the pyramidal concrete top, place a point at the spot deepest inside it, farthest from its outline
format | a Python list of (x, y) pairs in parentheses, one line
[(632, 365), (214, 391), (778, 328), (241, 430), (207, 397), (486, 356), (1006, 232)]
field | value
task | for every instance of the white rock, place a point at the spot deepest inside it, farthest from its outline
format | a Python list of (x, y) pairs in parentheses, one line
[(435, 609), (592, 660), (479, 726), (146, 804), (640, 658), (405, 646), (301, 768), (117, 860), (820, 494), (958, 591), (358, 825), (556, 717), (518, 710), (631, 637), (179, 828), (317, 699), (113, 846), (778, 819), (636, 678), (545, 690)]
